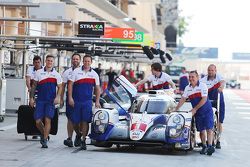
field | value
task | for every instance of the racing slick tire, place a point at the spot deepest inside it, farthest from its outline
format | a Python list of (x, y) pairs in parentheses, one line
[(215, 129), (192, 140), (102, 144)]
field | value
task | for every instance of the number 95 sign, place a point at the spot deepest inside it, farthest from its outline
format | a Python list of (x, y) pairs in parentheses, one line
[(120, 33)]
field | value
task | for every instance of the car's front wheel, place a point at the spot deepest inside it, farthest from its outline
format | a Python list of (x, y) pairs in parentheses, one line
[(102, 144), (192, 139)]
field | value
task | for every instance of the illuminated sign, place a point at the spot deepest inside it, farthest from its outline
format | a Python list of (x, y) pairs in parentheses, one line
[(120, 33), (139, 37), (91, 28)]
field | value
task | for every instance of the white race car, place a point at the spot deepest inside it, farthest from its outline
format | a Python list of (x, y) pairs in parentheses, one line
[(144, 120)]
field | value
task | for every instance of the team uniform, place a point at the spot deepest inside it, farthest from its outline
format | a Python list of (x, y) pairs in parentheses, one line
[(213, 86), (84, 82), (204, 115), (31, 73), (65, 77), (183, 81), (99, 71), (46, 86), (161, 82)]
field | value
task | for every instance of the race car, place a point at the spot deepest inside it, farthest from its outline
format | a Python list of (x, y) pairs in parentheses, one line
[(233, 84), (146, 120)]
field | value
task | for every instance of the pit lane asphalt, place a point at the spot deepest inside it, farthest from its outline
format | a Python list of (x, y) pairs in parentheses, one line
[(15, 151)]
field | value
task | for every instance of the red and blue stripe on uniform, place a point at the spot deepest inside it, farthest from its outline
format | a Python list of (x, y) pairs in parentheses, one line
[(47, 89), (83, 89), (164, 85), (195, 98), (213, 95), (213, 91), (161, 82)]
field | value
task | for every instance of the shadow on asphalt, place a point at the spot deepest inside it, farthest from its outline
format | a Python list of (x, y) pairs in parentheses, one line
[(145, 150)]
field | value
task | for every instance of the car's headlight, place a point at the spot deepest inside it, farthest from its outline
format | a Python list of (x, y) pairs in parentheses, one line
[(175, 124), (97, 122), (101, 115), (176, 119), (100, 121), (101, 128), (172, 132)]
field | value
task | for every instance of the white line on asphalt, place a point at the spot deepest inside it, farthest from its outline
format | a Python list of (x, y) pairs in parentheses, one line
[(243, 108), (236, 98), (242, 104), (7, 127), (245, 117), (244, 113)]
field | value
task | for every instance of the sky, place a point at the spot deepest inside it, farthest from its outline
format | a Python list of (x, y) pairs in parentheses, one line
[(218, 23)]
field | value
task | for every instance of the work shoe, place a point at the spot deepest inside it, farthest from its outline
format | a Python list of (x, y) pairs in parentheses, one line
[(218, 145), (83, 145), (199, 144), (41, 139), (34, 137), (210, 150), (77, 141), (68, 142), (44, 143), (203, 150)]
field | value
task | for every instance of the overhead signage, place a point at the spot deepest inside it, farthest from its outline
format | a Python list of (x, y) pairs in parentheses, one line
[(139, 38), (91, 28), (241, 56), (146, 40), (120, 33), (197, 52)]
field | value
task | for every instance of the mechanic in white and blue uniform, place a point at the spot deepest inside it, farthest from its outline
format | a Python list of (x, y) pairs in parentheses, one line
[(215, 84), (183, 80), (37, 64), (30, 75), (83, 82), (75, 61), (197, 93), (158, 79), (46, 80)]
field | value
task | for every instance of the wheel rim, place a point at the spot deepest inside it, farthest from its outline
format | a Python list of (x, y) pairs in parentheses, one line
[(215, 129), (192, 136)]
